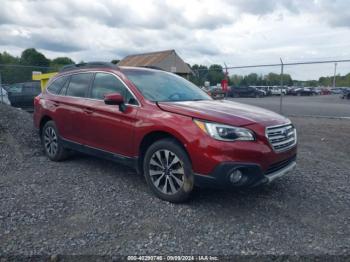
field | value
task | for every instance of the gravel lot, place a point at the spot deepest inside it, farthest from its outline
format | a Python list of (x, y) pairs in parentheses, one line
[(87, 205), (323, 105)]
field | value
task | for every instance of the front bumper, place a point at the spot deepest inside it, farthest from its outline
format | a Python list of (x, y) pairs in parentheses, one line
[(252, 174)]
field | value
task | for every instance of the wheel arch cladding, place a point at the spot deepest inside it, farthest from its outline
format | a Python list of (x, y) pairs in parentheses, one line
[(151, 138), (43, 121)]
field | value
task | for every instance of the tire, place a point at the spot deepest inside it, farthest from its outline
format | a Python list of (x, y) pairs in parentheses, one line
[(160, 175), (51, 142)]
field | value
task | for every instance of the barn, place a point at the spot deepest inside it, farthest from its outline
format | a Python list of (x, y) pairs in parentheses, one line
[(167, 60)]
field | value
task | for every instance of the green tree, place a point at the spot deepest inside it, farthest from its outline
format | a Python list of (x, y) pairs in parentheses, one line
[(200, 74), (115, 61), (215, 74), (59, 62), (251, 79), (33, 58), (9, 74), (236, 80)]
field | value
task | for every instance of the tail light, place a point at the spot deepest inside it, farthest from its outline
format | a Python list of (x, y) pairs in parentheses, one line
[(36, 100)]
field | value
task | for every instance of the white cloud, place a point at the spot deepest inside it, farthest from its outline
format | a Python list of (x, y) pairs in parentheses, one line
[(202, 31)]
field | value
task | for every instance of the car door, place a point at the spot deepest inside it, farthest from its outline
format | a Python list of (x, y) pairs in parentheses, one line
[(238, 91), (250, 91), (15, 95), (70, 108), (244, 91), (30, 90), (111, 129), (27, 96)]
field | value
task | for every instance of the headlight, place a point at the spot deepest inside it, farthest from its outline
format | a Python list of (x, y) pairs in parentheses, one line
[(225, 132)]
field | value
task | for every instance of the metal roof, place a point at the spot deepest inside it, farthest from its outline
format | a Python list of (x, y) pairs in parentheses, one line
[(165, 60), (145, 59)]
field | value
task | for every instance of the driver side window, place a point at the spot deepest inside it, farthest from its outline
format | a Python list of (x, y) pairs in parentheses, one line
[(106, 84)]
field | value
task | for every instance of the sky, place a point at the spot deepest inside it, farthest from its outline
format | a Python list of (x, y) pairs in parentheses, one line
[(237, 32)]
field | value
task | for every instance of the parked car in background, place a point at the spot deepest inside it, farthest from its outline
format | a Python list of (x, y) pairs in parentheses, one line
[(302, 91), (336, 91), (316, 90), (266, 89), (215, 92), (5, 86), (246, 91), (346, 93), (163, 126), (278, 91), (22, 94), (4, 96), (325, 91)]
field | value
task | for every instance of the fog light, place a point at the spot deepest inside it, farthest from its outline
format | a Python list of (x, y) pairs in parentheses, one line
[(236, 176)]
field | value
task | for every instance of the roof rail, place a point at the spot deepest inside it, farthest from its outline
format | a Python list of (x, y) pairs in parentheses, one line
[(87, 65), (152, 67)]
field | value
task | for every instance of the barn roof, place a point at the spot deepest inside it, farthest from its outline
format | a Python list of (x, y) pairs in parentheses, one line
[(166, 60)]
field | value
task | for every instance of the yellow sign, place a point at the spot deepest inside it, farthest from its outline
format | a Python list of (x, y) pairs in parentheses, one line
[(44, 78)]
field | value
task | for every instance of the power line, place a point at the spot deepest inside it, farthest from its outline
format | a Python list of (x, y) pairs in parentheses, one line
[(279, 64)]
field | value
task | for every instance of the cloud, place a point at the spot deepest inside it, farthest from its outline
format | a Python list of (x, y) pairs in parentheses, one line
[(51, 40), (336, 13), (202, 31)]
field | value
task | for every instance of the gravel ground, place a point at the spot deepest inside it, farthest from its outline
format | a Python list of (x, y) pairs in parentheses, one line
[(87, 205)]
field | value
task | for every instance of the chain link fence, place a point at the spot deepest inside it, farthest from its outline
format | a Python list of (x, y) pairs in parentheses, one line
[(314, 88), (309, 88), (17, 86)]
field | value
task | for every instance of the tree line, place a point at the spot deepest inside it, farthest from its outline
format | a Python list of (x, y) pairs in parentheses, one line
[(32, 60), (215, 73), (19, 69)]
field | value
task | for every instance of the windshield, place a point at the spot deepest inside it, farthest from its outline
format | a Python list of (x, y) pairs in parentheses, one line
[(159, 86)]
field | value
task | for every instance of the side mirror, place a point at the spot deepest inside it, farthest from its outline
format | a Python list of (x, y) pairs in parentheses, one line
[(115, 99)]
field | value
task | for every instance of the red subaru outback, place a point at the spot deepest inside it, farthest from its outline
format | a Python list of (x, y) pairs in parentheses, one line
[(163, 126)]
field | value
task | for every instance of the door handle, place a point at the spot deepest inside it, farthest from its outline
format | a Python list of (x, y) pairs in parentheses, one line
[(88, 110), (55, 103)]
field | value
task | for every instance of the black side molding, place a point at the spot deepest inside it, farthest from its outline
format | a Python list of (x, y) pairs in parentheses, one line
[(121, 159)]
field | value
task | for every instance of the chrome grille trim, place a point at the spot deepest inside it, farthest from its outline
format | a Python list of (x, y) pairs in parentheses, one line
[(282, 137)]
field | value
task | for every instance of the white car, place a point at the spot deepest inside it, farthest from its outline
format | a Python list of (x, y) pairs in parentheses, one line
[(277, 91), (3, 97)]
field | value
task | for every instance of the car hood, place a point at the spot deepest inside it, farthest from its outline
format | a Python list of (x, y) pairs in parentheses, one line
[(224, 111)]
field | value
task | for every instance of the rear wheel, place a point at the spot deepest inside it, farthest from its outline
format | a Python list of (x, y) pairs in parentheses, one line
[(168, 171), (51, 142)]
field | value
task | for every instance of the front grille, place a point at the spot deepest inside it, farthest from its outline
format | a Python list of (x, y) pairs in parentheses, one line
[(282, 137), (277, 166)]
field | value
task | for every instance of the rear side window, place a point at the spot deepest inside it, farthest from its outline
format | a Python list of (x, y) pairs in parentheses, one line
[(28, 90), (79, 84), (64, 88), (16, 88), (56, 85)]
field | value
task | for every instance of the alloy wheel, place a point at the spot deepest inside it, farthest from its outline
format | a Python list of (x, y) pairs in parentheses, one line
[(50, 141), (166, 171)]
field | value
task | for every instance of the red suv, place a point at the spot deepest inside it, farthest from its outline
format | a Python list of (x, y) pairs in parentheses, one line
[(163, 126)]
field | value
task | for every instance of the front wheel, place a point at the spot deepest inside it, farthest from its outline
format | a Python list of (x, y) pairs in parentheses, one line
[(168, 171)]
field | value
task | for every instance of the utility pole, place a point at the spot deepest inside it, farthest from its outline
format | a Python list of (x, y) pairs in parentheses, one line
[(1, 94), (281, 96), (335, 72), (226, 79)]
